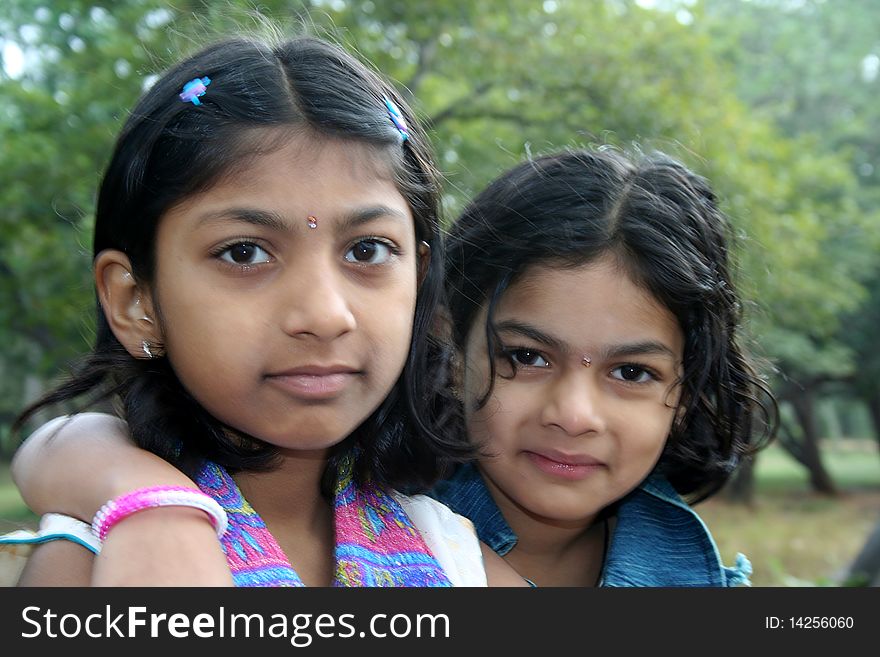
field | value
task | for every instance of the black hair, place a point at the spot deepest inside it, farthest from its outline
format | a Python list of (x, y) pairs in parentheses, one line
[(662, 223), (168, 150)]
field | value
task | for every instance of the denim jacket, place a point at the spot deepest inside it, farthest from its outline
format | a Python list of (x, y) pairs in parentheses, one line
[(658, 540)]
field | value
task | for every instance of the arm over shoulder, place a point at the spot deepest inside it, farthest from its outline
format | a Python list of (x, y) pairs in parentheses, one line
[(73, 464)]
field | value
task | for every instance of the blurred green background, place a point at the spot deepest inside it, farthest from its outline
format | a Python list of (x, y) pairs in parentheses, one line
[(774, 100)]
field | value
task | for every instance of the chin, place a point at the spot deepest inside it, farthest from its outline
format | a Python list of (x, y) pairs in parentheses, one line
[(310, 442), (563, 514)]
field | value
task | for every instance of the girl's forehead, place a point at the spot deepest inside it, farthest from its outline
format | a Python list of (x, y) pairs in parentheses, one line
[(340, 184), (574, 279), (299, 147), (599, 301)]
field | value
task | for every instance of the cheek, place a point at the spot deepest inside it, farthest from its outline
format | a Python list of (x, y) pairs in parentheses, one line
[(482, 422), (214, 364), (213, 345), (391, 348), (646, 439), (385, 320), (194, 325), (475, 381), (487, 432), (499, 423)]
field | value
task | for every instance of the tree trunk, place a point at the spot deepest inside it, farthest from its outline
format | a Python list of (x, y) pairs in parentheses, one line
[(865, 568), (804, 404), (7, 444), (740, 489), (873, 401)]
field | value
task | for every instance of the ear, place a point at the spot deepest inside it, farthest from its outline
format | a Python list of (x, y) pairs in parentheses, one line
[(456, 368), (424, 261), (674, 400), (127, 305)]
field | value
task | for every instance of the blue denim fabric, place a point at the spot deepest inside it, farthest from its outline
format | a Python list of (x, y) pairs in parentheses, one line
[(658, 539)]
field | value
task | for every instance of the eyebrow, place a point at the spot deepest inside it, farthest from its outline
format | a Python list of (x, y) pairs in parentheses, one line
[(529, 331), (642, 348), (272, 220), (251, 216), (365, 215)]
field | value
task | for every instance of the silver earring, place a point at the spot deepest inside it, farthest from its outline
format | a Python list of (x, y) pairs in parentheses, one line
[(145, 345), (586, 361)]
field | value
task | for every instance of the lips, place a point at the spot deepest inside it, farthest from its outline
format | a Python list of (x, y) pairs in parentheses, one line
[(315, 382), (565, 466)]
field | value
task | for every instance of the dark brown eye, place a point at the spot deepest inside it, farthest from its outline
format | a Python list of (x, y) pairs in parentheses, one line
[(244, 253), (528, 358), (369, 252), (632, 374), (364, 251)]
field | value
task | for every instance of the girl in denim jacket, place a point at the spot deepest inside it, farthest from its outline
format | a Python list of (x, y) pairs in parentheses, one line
[(597, 329)]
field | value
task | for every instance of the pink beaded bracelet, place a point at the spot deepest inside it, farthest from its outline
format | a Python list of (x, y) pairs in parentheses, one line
[(155, 496)]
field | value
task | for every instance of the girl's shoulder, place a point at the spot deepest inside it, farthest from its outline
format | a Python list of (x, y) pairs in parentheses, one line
[(451, 538), (660, 540)]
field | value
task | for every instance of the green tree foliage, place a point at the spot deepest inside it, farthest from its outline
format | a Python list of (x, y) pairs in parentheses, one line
[(82, 65), (494, 82), (811, 68)]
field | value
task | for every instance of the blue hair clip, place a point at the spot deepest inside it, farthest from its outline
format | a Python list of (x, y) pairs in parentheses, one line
[(193, 89), (396, 118)]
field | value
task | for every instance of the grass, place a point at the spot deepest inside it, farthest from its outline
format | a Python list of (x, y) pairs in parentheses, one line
[(793, 537)]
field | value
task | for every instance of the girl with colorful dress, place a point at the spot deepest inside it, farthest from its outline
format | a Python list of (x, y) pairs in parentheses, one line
[(268, 266)]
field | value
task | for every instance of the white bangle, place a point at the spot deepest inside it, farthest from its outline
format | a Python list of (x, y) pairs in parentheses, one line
[(123, 506)]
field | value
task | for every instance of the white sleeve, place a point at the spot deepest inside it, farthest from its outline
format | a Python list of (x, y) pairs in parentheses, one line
[(451, 538)]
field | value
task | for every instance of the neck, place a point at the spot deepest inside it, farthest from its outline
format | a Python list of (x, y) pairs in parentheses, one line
[(288, 499), (549, 557), (550, 552), (291, 491)]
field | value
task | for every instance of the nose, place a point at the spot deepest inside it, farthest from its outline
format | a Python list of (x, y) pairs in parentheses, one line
[(318, 303), (574, 405)]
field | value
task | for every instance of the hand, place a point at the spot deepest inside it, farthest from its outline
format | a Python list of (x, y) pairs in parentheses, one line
[(75, 464)]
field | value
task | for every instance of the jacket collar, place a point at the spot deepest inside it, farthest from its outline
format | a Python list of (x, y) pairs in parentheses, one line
[(658, 540), (465, 493)]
